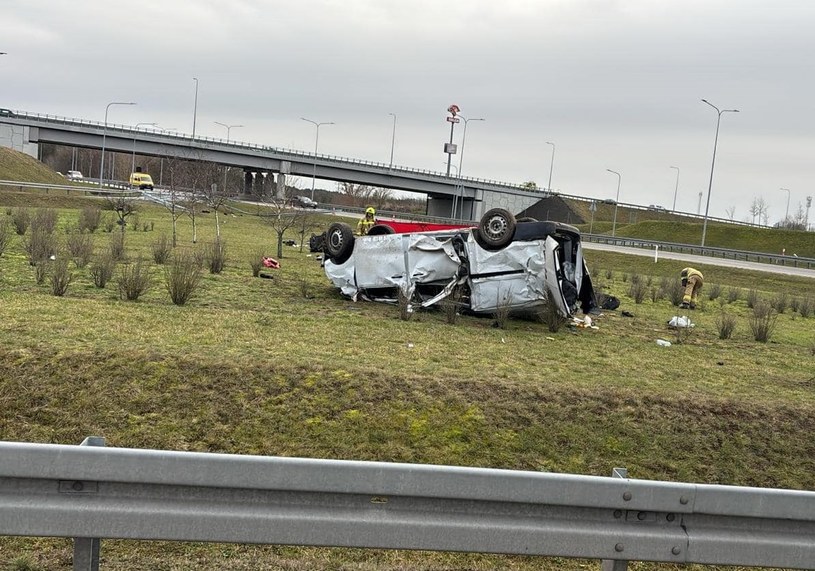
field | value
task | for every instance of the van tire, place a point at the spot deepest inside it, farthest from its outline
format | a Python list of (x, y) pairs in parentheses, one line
[(380, 229), (339, 242), (495, 229)]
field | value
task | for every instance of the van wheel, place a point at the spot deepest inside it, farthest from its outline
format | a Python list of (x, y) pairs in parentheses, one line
[(339, 242), (380, 229), (495, 229)]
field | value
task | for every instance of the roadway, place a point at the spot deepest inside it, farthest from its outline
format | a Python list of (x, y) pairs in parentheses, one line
[(706, 260)]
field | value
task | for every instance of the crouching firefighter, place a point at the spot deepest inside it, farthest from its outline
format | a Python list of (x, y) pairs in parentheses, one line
[(692, 280)]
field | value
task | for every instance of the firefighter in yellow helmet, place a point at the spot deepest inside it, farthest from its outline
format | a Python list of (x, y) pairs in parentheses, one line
[(692, 280), (366, 222)]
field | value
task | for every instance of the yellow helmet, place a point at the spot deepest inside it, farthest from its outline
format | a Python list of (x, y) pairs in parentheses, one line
[(370, 210)]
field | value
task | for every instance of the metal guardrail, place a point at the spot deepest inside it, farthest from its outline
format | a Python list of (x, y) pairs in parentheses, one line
[(95, 492), (725, 253)]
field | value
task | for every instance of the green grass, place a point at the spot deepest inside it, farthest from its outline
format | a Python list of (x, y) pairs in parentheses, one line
[(254, 366)]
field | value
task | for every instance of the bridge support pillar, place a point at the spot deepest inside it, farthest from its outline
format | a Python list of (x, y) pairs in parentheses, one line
[(248, 179), (257, 186), (280, 190)]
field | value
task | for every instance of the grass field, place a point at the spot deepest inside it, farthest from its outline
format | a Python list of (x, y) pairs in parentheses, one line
[(286, 366)]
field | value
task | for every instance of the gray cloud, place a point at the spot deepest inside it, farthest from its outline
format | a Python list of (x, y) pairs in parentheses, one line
[(615, 84)]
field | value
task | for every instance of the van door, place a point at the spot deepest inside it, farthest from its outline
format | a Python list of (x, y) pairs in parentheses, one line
[(554, 276)]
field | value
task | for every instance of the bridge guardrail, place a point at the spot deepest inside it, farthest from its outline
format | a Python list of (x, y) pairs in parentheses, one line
[(95, 492)]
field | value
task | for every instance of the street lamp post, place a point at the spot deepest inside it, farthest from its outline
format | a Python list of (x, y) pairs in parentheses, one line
[(616, 202), (676, 190), (195, 107), (228, 128), (713, 162), (104, 137), (228, 131), (787, 213), (551, 166), (316, 143), (460, 162), (393, 136), (133, 165)]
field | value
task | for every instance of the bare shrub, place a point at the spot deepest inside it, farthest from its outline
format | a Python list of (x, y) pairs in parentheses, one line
[(682, 334), (135, 221), (763, 321), (306, 289), (733, 295), (752, 298), (625, 277), (594, 273), (405, 306), (638, 289), (182, 275), (5, 234), (161, 248), (80, 247), (780, 302), (39, 246), (714, 292), (656, 294), (90, 218), (675, 291), (503, 305), (805, 308), (216, 256), (40, 272), (44, 220), (649, 281), (102, 270), (450, 306), (134, 280), (795, 303), (61, 276), (116, 247), (609, 274), (725, 324), (256, 261), (549, 315), (21, 220), (110, 224)]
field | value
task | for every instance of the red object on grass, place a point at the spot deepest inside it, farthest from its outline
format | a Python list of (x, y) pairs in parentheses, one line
[(271, 263)]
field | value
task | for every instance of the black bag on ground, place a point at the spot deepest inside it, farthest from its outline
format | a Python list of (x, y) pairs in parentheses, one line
[(317, 242), (608, 301)]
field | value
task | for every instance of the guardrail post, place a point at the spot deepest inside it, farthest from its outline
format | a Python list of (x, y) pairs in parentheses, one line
[(86, 549), (615, 564)]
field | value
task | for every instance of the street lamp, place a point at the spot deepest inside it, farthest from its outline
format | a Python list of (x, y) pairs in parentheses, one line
[(133, 165), (161, 162), (228, 128), (460, 161), (316, 142), (551, 166), (104, 136), (616, 201), (228, 131), (676, 190), (787, 213), (393, 136), (713, 163), (195, 107)]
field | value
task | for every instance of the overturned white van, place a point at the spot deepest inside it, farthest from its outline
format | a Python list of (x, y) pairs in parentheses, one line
[(501, 263)]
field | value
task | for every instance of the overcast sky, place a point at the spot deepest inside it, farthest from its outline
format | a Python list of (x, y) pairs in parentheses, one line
[(613, 84)]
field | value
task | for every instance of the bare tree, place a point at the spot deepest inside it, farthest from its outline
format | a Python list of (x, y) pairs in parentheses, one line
[(124, 205), (380, 197), (171, 196), (358, 193), (755, 209), (281, 219), (731, 212)]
